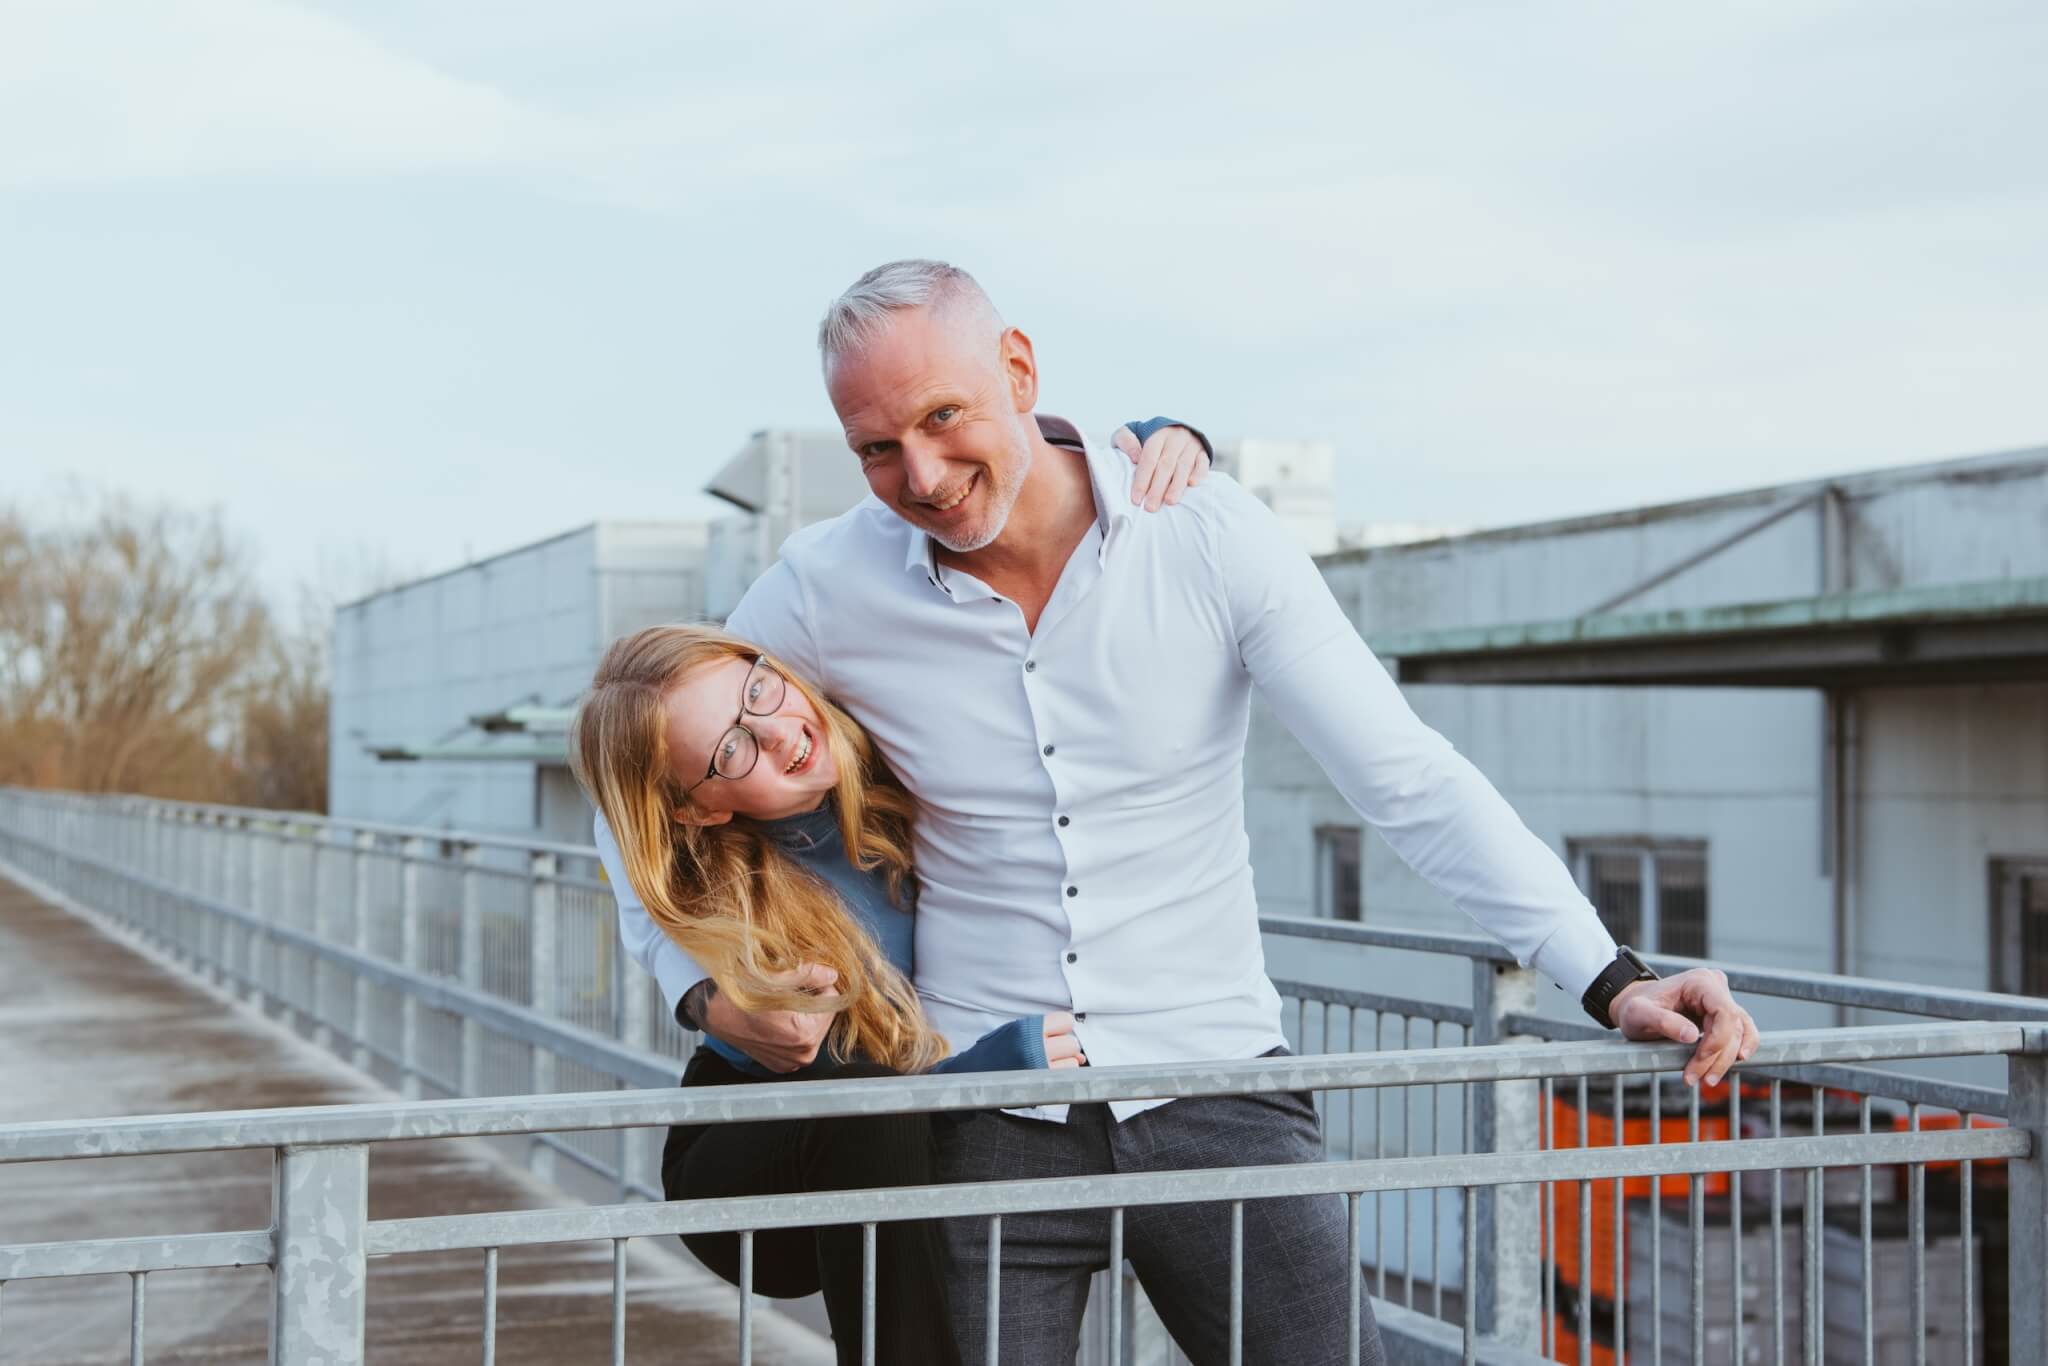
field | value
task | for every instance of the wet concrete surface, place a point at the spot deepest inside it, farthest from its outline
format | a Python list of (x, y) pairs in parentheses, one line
[(92, 1025)]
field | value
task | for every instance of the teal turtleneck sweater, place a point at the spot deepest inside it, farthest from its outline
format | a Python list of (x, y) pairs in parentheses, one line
[(812, 839)]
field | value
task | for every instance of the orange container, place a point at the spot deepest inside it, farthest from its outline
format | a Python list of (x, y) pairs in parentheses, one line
[(1635, 1131), (1566, 1343)]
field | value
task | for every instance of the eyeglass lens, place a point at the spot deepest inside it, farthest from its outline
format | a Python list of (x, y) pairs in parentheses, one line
[(738, 751)]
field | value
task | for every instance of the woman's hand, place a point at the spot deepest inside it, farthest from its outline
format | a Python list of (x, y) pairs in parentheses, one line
[(780, 1040), (1062, 1049), (1169, 463)]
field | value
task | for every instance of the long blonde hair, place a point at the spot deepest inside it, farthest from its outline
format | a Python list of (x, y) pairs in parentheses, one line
[(727, 894)]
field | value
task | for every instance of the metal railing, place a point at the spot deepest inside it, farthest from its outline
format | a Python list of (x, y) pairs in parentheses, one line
[(474, 966)]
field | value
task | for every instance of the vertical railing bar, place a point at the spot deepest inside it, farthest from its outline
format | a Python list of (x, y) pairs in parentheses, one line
[(993, 1340), (747, 1297), (1869, 1291), (1657, 1226), (1379, 1150), (1323, 1097), (618, 1302), (1735, 1213), (1585, 1193), (1471, 1277), (1466, 1140), (1350, 1097), (1546, 1127), (136, 1314), (867, 1294), (1408, 1197), (1354, 1282), (1237, 1282), (1620, 1228), (1116, 1285), (1809, 1223), (1436, 1216), (1968, 1122), (490, 1306), (1696, 1221), (1916, 1219), (1778, 1231)]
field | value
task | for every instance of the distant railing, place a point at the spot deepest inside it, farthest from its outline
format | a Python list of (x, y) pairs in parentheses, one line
[(475, 966)]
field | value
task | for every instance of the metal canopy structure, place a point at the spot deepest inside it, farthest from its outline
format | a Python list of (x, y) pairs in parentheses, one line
[(1952, 633)]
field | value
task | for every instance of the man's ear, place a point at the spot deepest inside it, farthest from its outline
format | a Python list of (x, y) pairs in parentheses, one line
[(1020, 370), (688, 815)]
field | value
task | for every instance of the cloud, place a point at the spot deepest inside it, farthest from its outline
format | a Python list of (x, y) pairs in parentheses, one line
[(184, 88)]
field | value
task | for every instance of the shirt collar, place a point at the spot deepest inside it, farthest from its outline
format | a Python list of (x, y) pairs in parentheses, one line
[(922, 552)]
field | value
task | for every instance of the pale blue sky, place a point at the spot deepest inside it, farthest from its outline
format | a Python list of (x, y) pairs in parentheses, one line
[(419, 280)]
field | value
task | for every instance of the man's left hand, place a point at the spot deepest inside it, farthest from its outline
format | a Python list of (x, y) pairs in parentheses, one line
[(1693, 1007), (1171, 462)]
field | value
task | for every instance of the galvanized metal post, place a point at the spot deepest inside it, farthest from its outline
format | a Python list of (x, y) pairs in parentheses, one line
[(412, 874), (636, 1030), (543, 902), (1507, 1239), (213, 930), (324, 930), (287, 913), (320, 1286), (360, 869), (2027, 1191), (471, 953)]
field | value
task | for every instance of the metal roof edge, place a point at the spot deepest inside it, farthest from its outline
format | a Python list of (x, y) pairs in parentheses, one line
[(2019, 462), (1951, 602)]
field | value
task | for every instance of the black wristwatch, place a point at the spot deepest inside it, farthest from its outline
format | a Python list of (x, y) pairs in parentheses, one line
[(1625, 968)]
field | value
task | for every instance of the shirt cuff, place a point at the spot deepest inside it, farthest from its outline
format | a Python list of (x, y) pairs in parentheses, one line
[(1576, 952)]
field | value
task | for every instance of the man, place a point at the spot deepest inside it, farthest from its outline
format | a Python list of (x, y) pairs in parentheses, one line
[(1065, 686)]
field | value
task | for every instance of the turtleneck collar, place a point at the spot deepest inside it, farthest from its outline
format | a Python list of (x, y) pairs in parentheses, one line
[(806, 830)]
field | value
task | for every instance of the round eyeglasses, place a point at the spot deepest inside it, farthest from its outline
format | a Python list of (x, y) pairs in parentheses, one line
[(738, 751)]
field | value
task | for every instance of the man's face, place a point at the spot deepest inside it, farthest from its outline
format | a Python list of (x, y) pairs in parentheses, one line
[(936, 408)]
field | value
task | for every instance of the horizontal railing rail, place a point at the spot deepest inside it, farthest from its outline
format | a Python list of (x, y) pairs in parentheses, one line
[(402, 1121)]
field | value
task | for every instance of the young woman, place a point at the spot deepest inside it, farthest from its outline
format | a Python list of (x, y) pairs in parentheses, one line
[(760, 829)]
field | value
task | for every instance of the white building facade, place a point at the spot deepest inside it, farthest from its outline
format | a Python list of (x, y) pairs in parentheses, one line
[(416, 665)]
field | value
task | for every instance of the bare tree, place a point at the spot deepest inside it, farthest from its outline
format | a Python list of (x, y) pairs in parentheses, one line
[(280, 740), (128, 640)]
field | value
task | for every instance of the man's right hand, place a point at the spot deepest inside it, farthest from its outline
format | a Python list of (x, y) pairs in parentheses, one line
[(780, 1040)]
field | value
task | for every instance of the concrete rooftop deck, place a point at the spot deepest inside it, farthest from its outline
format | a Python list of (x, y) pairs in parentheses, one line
[(91, 1026)]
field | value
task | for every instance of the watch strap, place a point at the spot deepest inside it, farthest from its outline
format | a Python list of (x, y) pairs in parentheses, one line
[(1626, 969)]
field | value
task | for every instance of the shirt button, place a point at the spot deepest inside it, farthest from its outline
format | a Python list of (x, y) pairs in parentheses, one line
[(1080, 1017), (1073, 958), (1065, 821), (1073, 891), (1030, 666), (1048, 749)]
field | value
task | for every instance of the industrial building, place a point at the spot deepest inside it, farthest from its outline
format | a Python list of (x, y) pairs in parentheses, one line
[(1802, 726)]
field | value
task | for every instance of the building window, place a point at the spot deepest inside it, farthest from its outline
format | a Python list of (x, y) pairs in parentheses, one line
[(1651, 894), (1338, 873), (2019, 926)]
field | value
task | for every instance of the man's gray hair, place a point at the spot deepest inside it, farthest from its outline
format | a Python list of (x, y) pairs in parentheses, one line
[(858, 316)]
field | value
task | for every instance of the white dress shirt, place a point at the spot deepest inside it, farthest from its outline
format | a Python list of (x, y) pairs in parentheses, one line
[(1080, 840)]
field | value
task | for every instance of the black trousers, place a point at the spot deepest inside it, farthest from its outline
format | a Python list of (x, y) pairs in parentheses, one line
[(913, 1322)]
